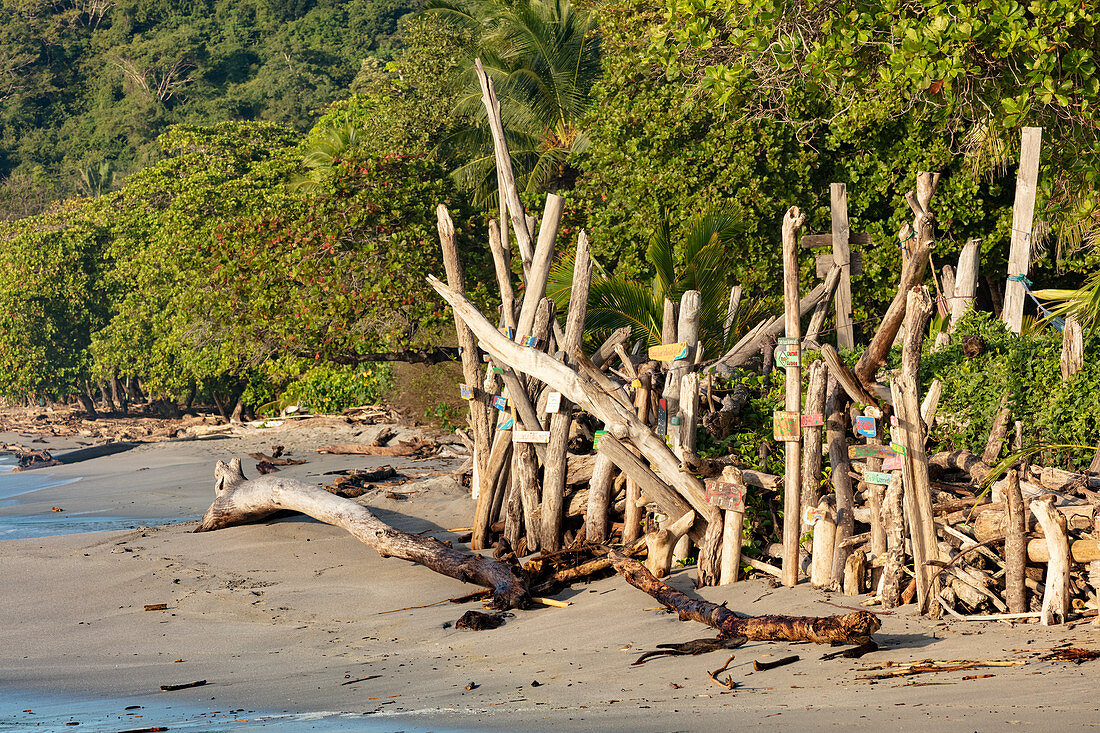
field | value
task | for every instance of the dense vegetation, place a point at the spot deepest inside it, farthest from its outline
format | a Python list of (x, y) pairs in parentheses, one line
[(87, 86), (259, 179)]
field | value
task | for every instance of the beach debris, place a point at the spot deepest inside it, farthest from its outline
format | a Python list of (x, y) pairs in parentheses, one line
[(472, 685), (276, 459), (759, 666), (929, 666), (238, 500), (405, 448), (156, 606), (692, 648), (265, 468), (56, 509), (353, 483), (361, 679), (478, 621), (852, 628), (728, 683), (853, 653), (184, 686), (27, 460), (1071, 654)]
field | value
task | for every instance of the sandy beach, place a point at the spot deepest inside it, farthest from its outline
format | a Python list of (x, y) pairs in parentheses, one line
[(293, 615)]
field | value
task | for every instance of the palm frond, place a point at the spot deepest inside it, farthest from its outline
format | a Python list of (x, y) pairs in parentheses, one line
[(1082, 303)]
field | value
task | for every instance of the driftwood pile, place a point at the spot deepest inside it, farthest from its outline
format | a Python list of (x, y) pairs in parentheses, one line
[(571, 448)]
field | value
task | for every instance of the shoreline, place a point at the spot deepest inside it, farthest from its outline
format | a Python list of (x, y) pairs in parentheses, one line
[(279, 615)]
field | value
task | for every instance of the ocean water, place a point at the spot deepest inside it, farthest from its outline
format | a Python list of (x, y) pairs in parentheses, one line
[(33, 711), (16, 487)]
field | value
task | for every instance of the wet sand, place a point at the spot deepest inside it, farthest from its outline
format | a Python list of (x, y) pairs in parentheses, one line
[(285, 615)]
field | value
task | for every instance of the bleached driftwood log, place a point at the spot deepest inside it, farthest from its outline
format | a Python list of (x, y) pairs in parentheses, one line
[(238, 500)]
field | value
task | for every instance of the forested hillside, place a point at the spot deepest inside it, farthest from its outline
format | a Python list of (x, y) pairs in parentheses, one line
[(86, 86)]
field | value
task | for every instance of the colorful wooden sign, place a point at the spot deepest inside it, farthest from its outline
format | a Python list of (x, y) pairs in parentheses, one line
[(466, 391), (662, 417), (507, 424), (866, 427), (876, 477), (500, 402), (530, 436), (596, 440), (813, 421), (893, 463), (869, 451), (553, 401), (530, 341), (898, 448), (669, 352), (786, 425), (788, 353), (894, 420), (810, 515), (509, 332), (725, 495)]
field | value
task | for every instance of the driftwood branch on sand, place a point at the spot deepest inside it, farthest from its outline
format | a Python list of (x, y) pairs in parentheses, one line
[(238, 500)]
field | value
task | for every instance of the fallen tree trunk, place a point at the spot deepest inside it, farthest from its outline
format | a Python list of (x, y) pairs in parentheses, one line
[(238, 500), (851, 628)]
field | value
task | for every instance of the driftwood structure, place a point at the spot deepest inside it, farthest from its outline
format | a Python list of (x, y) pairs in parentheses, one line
[(588, 457)]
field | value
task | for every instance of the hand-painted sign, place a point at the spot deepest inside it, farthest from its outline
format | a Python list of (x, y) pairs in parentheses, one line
[(813, 421), (466, 391), (507, 424), (869, 451), (669, 352), (530, 436), (893, 463), (500, 402), (876, 477), (553, 401), (898, 448), (596, 440), (786, 425), (788, 353), (725, 495), (865, 426)]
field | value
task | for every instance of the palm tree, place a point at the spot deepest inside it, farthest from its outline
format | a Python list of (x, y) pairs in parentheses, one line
[(695, 263), (321, 157), (543, 57), (1082, 303)]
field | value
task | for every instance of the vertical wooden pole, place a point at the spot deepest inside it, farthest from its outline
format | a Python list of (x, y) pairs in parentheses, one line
[(1056, 590), (599, 496), (838, 195), (821, 561), (553, 489), (893, 570), (498, 246), (1073, 348), (1023, 212), (480, 423), (793, 401), (918, 490), (632, 516), (811, 438), (687, 331), (837, 426), (1015, 545), (731, 315), (966, 281)]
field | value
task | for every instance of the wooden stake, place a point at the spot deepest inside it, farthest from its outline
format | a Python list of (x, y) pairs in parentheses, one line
[(1023, 212), (632, 517), (821, 562), (553, 491), (1056, 592), (501, 259), (731, 314), (893, 571), (1015, 545), (793, 403), (817, 320), (997, 434), (687, 332), (480, 423), (855, 571), (1073, 348), (732, 533), (838, 195), (918, 494), (966, 281), (811, 439), (837, 425), (599, 496)]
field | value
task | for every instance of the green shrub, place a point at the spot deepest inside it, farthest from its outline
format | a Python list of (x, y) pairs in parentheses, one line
[(327, 388)]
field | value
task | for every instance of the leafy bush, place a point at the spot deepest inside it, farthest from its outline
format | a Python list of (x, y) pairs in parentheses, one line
[(330, 388), (1026, 370)]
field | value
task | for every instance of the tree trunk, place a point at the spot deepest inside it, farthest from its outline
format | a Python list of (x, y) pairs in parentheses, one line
[(241, 501)]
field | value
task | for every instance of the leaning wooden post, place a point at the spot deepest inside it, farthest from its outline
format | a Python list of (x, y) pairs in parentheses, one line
[(838, 194), (918, 490), (480, 424), (1056, 591), (1015, 545), (498, 246), (893, 570), (632, 515), (687, 333), (553, 489), (811, 437), (1023, 213), (793, 403), (731, 314)]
